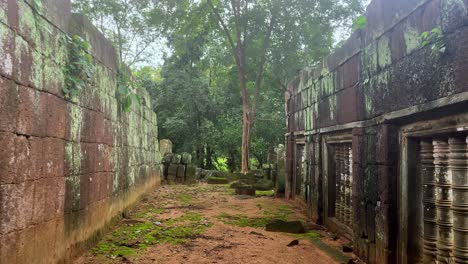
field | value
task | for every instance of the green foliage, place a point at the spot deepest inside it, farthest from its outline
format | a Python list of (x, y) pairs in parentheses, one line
[(127, 91), (37, 5), (196, 91), (265, 193), (359, 23), (435, 38), (79, 68), (126, 24)]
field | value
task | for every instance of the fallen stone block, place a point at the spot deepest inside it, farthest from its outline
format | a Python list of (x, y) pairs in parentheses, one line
[(293, 227), (245, 190)]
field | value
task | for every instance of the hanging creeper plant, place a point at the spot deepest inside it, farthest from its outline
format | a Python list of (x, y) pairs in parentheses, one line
[(126, 90), (80, 68)]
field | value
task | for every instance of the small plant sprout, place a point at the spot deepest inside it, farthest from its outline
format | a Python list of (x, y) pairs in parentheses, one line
[(435, 37)]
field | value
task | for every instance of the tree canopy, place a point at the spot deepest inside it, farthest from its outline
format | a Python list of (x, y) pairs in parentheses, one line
[(220, 92)]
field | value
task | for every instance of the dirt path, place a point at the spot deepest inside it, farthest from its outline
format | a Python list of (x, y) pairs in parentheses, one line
[(208, 224)]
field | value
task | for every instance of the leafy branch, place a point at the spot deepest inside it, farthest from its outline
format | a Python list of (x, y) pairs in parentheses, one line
[(79, 68), (435, 37), (126, 91), (359, 23)]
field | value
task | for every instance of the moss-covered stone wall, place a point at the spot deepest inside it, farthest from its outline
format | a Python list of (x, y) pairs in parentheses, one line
[(382, 78), (67, 166)]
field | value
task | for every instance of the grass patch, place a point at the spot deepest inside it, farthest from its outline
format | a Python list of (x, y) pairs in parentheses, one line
[(264, 193), (148, 213), (184, 198), (308, 235), (243, 221), (128, 238)]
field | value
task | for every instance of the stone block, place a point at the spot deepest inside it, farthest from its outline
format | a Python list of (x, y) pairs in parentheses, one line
[(293, 227), (458, 45), (8, 105), (351, 71), (46, 199), (186, 158), (16, 204), (25, 248), (172, 172), (7, 46), (8, 250), (58, 118), (7, 158), (181, 173), (54, 157), (72, 194), (168, 158), (347, 101), (29, 158), (33, 112), (327, 111), (176, 158), (190, 175), (245, 190), (54, 79), (84, 189)]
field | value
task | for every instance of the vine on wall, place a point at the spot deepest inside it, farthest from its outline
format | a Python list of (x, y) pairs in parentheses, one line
[(80, 68), (126, 90)]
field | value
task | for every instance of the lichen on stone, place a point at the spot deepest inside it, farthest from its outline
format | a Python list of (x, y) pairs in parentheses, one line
[(384, 52), (412, 39)]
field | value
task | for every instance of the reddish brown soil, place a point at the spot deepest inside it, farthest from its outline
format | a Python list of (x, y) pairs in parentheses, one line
[(223, 243)]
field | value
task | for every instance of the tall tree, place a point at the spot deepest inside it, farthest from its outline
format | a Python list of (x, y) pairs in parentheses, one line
[(251, 27)]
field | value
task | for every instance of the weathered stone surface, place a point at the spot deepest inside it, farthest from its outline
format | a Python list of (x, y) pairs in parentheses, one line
[(67, 165), (190, 174), (168, 158), (172, 172), (181, 173), (186, 158), (165, 146)]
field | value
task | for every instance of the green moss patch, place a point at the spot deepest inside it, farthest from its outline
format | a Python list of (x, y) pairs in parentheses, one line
[(264, 193), (184, 198), (130, 237), (243, 221)]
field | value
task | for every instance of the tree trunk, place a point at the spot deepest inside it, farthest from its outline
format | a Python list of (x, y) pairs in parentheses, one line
[(245, 142)]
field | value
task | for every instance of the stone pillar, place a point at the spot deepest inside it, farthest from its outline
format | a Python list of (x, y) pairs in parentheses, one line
[(429, 200), (458, 167), (443, 201)]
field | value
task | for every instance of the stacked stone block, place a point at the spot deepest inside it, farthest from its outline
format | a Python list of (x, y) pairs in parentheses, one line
[(178, 168), (67, 166)]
